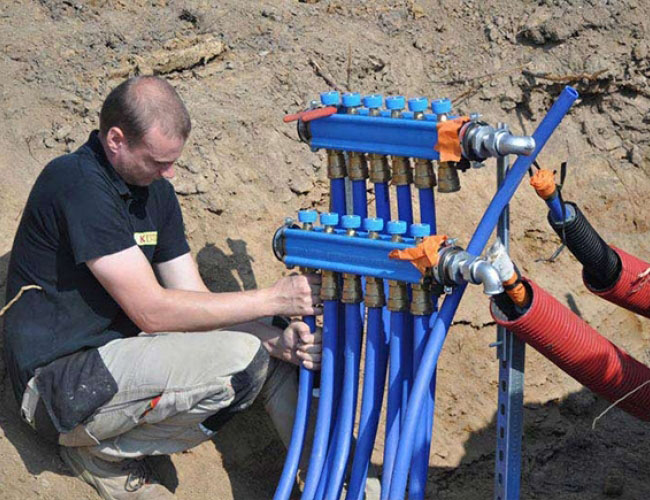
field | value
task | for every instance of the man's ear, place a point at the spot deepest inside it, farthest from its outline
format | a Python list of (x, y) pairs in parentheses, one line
[(115, 139)]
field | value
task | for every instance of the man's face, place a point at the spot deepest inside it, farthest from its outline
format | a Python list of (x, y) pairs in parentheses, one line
[(152, 158)]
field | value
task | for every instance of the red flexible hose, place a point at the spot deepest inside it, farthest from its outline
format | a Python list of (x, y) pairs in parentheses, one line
[(632, 289), (579, 350)]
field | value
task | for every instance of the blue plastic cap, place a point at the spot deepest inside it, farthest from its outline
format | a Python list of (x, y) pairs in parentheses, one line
[(373, 101), (440, 106), (430, 117), (351, 99), (329, 219), (351, 221), (363, 111), (395, 102), (330, 98), (307, 216), (384, 113), (396, 227), (409, 115), (420, 230), (418, 104), (373, 224)]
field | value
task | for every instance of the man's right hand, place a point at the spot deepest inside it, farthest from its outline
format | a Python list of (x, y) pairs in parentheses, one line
[(297, 295)]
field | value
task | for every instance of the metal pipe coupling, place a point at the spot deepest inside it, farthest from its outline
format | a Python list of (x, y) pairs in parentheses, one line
[(480, 141), (456, 266)]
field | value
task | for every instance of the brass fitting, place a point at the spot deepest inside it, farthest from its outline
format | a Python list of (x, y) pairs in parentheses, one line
[(352, 291), (448, 180), (329, 289), (424, 177), (402, 174), (379, 168), (375, 296), (335, 164), (421, 299), (357, 166), (398, 298)]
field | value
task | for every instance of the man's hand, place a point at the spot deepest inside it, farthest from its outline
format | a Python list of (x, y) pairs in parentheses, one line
[(297, 345), (297, 295)]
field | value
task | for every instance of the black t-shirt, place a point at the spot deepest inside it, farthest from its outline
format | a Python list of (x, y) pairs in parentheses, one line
[(79, 209)]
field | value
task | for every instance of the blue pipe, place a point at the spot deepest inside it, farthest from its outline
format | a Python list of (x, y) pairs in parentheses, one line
[(394, 404), (360, 198), (348, 402), (558, 211), (382, 201), (300, 421), (373, 394), (420, 461), (337, 197), (326, 399), (404, 204), (483, 231), (427, 208)]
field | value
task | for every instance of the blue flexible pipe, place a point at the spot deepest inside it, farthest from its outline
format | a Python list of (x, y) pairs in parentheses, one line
[(450, 304), (382, 201), (420, 461), (337, 197), (394, 404), (360, 198), (326, 399), (427, 208), (404, 204), (300, 421), (373, 394), (348, 402), (557, 208)]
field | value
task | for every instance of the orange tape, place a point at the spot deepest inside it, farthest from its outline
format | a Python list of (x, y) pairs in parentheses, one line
[(448, 144), (518, 294), (544, 183), (423, 256)]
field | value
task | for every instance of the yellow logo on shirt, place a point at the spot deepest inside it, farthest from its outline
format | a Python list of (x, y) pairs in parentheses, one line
[(146, 238)]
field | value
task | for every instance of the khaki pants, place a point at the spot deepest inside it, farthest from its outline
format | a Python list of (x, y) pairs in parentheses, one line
[(169, 384)]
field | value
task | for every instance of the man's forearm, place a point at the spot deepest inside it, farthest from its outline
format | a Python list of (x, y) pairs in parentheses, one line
[(181, 310)]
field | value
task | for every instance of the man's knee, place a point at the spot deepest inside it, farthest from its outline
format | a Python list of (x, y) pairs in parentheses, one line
[(246, 385)]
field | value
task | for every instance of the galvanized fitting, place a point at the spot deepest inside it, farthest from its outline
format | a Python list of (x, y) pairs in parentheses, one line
[(352, 291), (448, 179), (456, 266), (329, 289), (335, 164), (398, 298), (402, 174), (480, 141), (424, 177), (357, 166), (379, 168), (421, 299), (375, 296)]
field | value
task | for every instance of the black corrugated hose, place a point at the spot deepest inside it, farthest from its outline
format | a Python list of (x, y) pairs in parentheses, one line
[(602, 266)]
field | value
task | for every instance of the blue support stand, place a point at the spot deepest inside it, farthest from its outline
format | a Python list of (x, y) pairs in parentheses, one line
[(510, 410)]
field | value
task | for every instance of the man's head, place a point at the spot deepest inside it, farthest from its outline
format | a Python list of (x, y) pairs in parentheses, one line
[(143, 126)]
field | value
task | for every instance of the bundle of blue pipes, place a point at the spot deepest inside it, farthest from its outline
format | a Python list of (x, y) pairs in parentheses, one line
[(394, 302)]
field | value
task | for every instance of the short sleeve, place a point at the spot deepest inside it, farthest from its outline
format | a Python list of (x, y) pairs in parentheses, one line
[(95, 221), (171, 233)]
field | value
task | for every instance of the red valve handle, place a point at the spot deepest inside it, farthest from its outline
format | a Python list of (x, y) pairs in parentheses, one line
[(312, 114)]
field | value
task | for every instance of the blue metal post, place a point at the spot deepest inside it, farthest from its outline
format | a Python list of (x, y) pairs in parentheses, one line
[(510, 410)]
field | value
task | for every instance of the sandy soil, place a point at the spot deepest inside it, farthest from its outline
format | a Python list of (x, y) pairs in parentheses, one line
[(240, 66)]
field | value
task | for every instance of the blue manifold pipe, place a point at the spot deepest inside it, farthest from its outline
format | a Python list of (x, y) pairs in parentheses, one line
[(326, 399), (373, 394), (404, 204), (483, 231), (305, 387), (337, 197), (427, 208), (373, 134), (343, 440)]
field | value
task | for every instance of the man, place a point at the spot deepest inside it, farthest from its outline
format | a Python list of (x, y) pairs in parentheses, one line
[(102, 236)]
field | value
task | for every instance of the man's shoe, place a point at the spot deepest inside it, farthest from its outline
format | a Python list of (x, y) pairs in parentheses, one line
[(125, 480)]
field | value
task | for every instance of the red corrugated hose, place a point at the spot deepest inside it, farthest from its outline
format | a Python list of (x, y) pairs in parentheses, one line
[(579, 350)]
